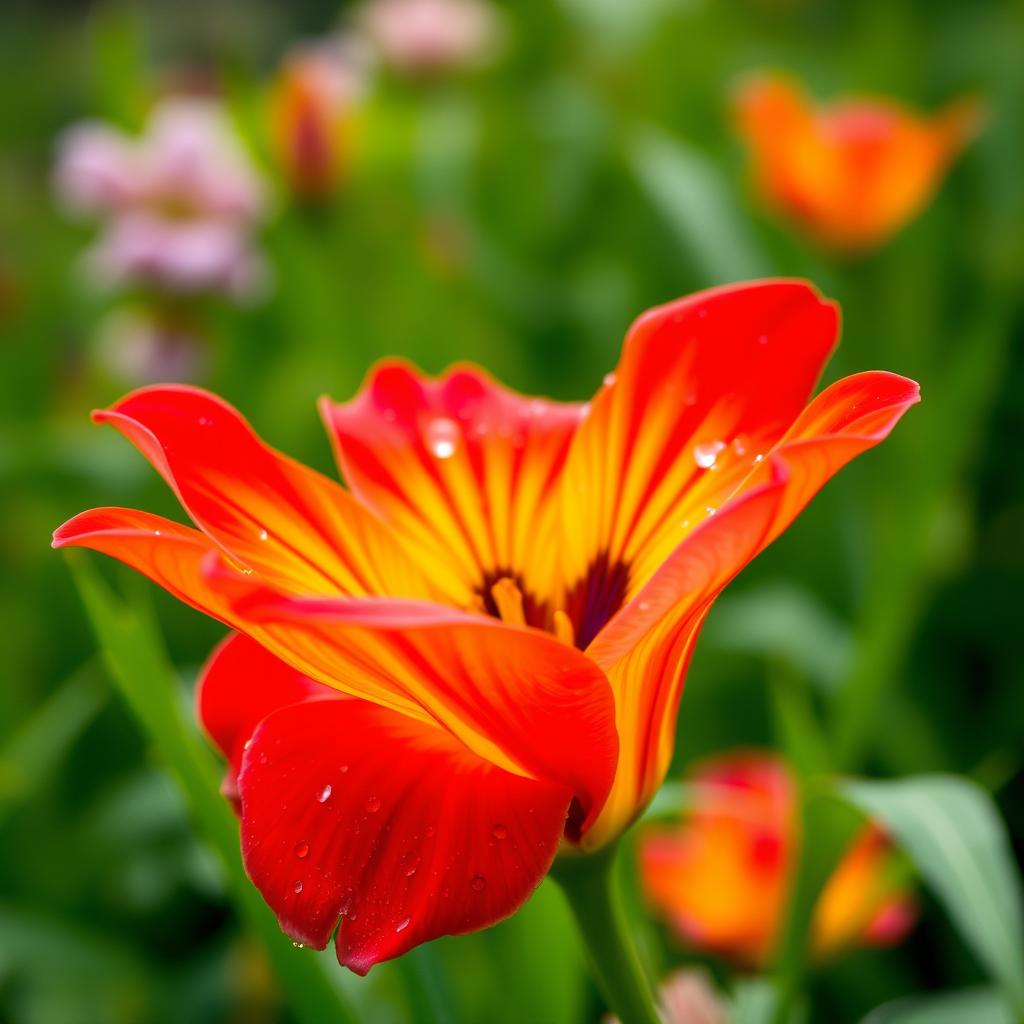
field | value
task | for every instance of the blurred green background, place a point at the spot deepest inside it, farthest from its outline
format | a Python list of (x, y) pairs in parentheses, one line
[(518, 215)]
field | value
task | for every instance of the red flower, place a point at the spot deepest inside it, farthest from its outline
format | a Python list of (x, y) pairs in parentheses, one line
[(476, 653), (722, 878)]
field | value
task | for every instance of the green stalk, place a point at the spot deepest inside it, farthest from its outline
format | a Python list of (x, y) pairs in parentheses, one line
[(588, 883)]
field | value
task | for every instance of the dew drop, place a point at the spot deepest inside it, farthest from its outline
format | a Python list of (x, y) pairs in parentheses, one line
[(343, 769), (499, 831), (609, 379), (442, 438), (297, 888), (478, 883), (247, 744), (402, 925), (585, 409), (298, 945), (157, 533), (302, 850), (325, 794), (345, 907), (263, 759), (538, 407), (685, 524), (711, 510), (409, 864), (705, 455), (643, 606), (739, 444), (373, 804), (205, 421), (263, 534), (758, 457), (247, 571), (429, 831)]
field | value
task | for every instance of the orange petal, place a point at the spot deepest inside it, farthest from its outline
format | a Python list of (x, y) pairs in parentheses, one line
[(462, 467), (299, 530), (861, 903), (516, 697), (705, 385), (645, 648), (720, 879)]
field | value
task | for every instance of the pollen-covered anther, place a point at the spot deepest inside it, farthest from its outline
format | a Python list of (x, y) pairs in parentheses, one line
[(508, 599)]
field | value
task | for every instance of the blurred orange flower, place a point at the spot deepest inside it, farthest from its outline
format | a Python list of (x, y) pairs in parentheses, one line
[(312, 116), (721, 879), (851, 173)]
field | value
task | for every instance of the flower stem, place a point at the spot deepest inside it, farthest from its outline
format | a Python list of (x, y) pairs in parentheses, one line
[(589, 886)]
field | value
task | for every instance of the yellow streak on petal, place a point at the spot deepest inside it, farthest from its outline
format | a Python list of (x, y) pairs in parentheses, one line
[(563, 628)]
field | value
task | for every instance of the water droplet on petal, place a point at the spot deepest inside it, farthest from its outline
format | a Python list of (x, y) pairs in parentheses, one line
[(711, 510), (429, 831), (157, 533), (609, 379), (345, 907), (478, 883), (297, 888), (263, 534), (538, 407), (302, 850), (298, 945), (247, 744), (739, 444), (758, 457), (443, 438), (263, 759), (643, 606), (499, 831), (402, 925), (373, 804), (325, 794), (343, 769), (409, 864), (705, 455)]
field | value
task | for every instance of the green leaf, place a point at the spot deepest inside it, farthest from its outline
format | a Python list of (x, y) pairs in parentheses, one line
[(952, 831), (133, 653), (32, 753), (692, 196), (971, 1006)]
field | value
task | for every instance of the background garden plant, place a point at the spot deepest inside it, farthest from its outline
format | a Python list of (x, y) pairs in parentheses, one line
[(517, 207)]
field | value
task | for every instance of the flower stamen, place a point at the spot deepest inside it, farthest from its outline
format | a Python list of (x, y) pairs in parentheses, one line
[(508, 599)]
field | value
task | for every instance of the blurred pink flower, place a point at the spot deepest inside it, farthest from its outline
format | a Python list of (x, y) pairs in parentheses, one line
[(140, 346), (428, 36), (178, 202)]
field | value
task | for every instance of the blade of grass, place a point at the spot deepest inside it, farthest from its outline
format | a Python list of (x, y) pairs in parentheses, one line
[(132, 650), (33, 751)]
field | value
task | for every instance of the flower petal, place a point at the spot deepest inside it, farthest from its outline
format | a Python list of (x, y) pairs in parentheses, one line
[(240, 684), (350, 811), (516, 697), (170, 554), (270, 514), (704, 386), (461, 466), (646, 647)]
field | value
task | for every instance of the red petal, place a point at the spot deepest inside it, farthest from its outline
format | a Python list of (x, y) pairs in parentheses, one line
[(712, 379), (269, 513), (168, 553), (240, 684), (350, 811), (461, 466), (517, 697), (646, 646)]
